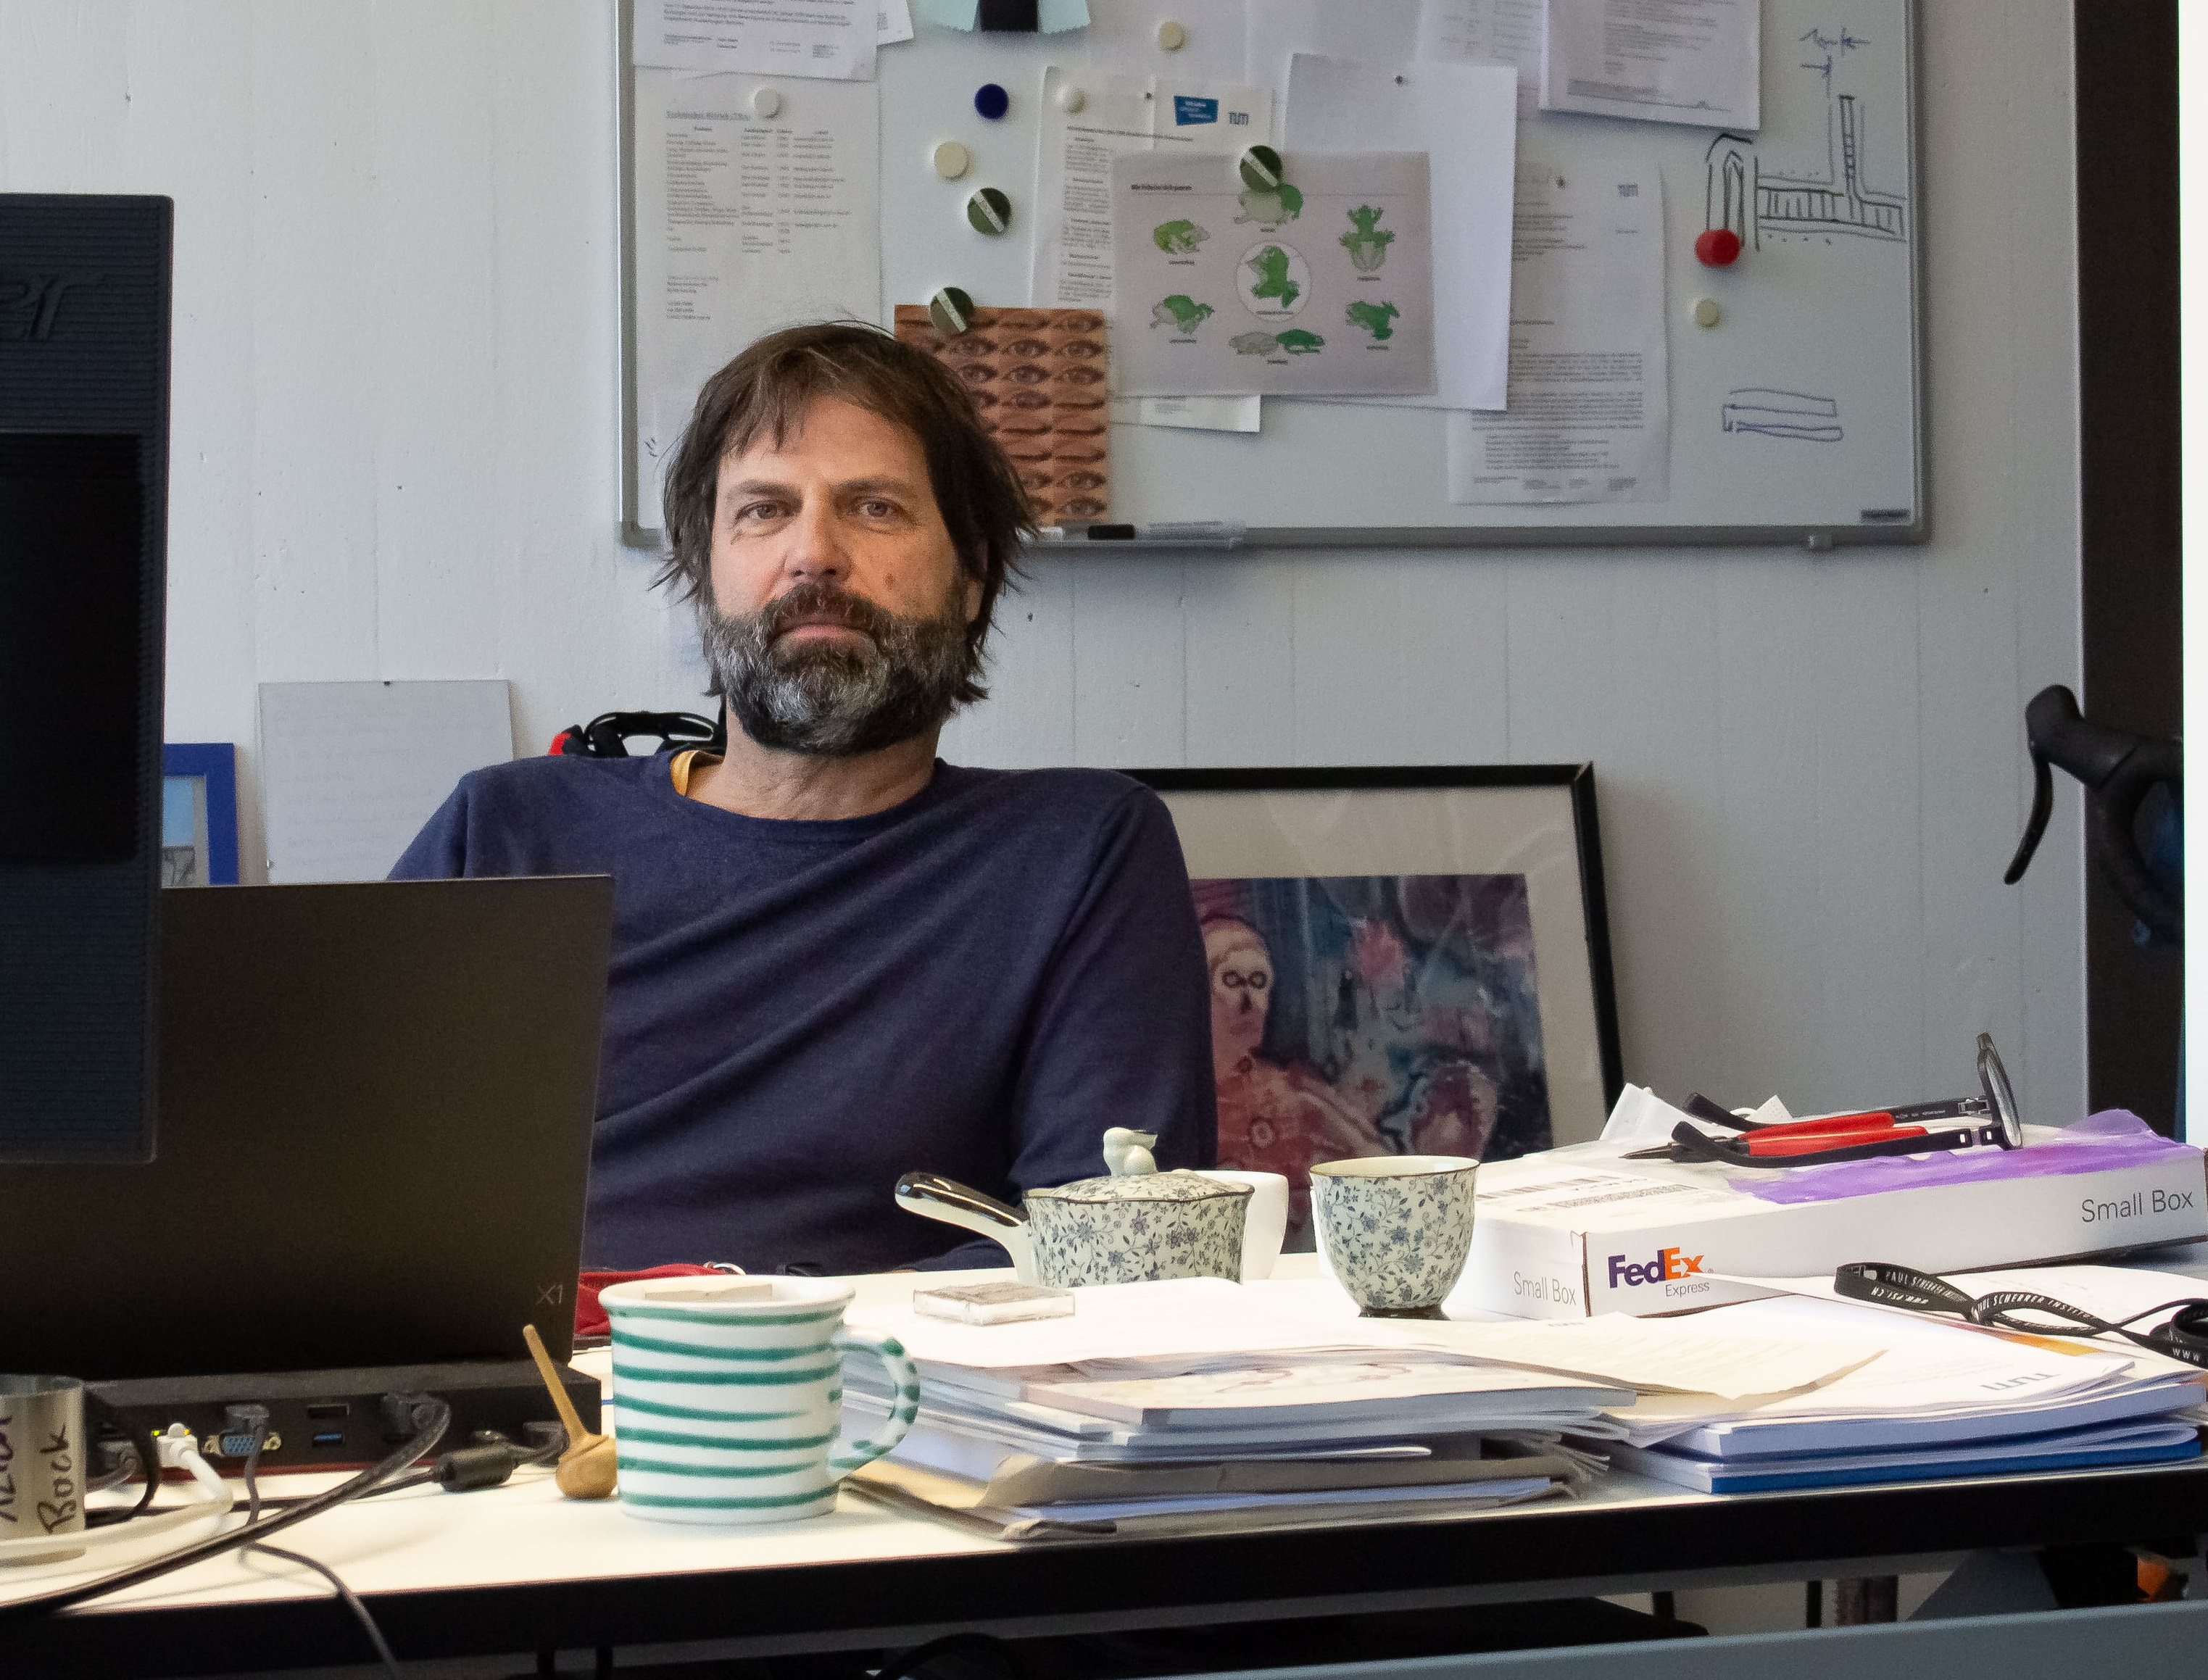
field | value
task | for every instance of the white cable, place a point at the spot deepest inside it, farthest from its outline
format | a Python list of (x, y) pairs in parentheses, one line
[(176, 1451)]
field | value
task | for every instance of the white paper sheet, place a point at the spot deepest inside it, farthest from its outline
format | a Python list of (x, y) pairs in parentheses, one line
[(745, 224), (1464, 117), (893, 22), (350, 771), (1385, 32), (1698, 61), (1589, 414), (1120, 114), (834, 39), (1191, 1316), (1656, 1355), (1929, 1370), (1489, 32), (1321, 287)]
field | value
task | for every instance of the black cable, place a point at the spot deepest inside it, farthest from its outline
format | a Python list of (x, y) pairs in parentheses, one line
[(431, 1417), (436, 1473), (351, 1599)]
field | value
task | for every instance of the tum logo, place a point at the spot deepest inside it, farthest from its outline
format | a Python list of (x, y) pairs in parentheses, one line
[(29, 302)]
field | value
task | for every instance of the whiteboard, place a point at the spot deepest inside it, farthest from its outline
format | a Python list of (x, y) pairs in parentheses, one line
[(1822, 309)]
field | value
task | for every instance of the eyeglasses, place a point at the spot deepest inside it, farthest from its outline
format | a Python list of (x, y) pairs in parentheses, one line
[(2184, 1337)]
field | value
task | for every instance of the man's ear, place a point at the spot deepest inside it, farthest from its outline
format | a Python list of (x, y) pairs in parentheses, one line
[(973, 598)]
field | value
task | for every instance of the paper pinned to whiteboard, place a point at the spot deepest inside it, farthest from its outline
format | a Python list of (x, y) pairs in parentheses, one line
[(1073, 265), (1589, 415), (1486, 32), (833, 39), (350, 771), (1465, 118), (1699, 62), (1321, 284)]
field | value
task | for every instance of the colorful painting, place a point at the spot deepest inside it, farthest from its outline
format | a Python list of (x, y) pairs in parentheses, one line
[(1372, 1015)]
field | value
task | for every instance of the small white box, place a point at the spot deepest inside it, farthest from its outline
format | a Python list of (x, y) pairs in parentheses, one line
[(1580, 1230)]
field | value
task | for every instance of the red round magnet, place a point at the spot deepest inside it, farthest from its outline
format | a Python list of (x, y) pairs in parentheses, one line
[(1717, 248)]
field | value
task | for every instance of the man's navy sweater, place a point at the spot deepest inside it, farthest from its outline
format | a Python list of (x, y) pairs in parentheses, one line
[(976, 982)]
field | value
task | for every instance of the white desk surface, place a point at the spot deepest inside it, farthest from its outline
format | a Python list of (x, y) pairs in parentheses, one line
[(426, 1539)]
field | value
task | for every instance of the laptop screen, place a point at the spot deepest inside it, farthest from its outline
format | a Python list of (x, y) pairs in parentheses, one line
[(376, 1101)]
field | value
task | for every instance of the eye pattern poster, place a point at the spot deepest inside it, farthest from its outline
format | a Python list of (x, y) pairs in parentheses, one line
[(1038, 378)]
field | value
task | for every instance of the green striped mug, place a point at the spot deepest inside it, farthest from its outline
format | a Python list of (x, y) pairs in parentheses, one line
[(727, 1394)]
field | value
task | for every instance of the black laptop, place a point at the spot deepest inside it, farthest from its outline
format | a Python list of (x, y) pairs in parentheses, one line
[(375, 1103)]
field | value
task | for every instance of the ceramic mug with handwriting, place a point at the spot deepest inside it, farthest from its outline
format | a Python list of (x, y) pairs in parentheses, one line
[(1396, 1229), (1264, 1221), (42, 1462), (728, 1397)]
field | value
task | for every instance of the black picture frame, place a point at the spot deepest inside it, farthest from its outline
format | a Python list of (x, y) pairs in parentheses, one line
[(1509, 834)]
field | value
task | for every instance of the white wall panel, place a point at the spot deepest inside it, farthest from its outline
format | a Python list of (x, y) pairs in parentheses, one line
[(395, 398)]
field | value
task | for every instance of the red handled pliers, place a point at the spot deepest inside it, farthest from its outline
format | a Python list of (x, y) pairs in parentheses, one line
[(1884, 1132)]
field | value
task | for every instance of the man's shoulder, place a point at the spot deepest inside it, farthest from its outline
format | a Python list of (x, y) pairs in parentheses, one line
[(1055, 797), (555, 778), (529, 793)]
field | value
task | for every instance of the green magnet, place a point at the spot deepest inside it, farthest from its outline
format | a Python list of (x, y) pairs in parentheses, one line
[(1261, 169), (951, 310), (989, 210)]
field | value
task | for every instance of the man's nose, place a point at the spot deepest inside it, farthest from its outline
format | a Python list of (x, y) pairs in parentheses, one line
[(815, 550)]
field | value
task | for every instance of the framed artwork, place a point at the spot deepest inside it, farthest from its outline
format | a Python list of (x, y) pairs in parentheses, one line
[(1403, 962), (199, 814)]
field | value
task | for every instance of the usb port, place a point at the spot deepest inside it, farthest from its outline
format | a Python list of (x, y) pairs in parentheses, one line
[(329, 1408), (329, 1437)]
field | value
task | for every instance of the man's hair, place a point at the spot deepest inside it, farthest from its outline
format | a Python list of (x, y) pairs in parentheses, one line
[(765, 394)]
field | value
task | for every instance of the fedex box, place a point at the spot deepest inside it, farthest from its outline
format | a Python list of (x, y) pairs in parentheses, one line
[(1578, 1231)]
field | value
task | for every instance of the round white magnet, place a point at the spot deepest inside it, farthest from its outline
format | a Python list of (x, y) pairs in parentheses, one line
[(766, 102), (1070, 98), (1171, 36), (1706, 312), (951, 160)]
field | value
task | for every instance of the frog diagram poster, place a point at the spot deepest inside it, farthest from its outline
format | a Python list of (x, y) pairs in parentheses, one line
[(1322, 286)]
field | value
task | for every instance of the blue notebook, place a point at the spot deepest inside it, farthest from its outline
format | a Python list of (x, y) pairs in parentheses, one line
[(2136, 1443)]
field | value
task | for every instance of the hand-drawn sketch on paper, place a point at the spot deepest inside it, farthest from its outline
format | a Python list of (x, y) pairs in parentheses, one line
[(1037, 377)]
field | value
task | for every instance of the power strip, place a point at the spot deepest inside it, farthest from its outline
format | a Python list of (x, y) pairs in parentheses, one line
[(339, 1419)]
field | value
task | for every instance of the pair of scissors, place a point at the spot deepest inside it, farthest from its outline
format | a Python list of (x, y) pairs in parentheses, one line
[(1990, 1120)]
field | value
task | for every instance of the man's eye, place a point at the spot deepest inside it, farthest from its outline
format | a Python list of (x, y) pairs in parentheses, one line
[(757, 510), (875, 509)]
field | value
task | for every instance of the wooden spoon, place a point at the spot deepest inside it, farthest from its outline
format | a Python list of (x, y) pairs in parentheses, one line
[(586, 1470)]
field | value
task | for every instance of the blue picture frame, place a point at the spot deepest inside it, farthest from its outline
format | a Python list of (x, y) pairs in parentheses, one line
[(213, 764)]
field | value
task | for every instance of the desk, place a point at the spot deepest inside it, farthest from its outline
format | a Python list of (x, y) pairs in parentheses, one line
[(517, 1568)]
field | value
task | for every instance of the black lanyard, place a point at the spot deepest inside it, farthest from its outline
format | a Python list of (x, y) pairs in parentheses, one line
[(2184, 1337)]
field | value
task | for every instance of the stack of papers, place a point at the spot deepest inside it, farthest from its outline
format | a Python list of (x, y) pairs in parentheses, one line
[(1197, 1405), (1944, 1400)]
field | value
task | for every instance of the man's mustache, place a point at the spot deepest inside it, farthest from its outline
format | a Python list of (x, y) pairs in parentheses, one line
[(823, 603)]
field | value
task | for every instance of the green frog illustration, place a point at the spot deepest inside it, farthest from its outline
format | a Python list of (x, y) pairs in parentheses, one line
[(1297, 342), (1253, 344), (1368, 245), (1374, 318), (1180, 238), (1270, 207), (1271, 266), (1181, 313)]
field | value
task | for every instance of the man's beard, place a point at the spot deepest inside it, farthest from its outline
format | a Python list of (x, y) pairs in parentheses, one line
[(836, 698)]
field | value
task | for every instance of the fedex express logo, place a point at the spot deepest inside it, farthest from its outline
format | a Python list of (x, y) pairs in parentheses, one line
[(1668, 1263)]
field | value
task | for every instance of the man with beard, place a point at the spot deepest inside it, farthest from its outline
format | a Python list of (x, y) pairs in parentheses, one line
[(836, 958)]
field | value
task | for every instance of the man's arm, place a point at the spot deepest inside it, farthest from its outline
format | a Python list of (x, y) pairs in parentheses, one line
[(1119, 1033)]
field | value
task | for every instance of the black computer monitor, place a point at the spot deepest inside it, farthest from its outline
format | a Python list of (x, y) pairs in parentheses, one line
[(84, 456)]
